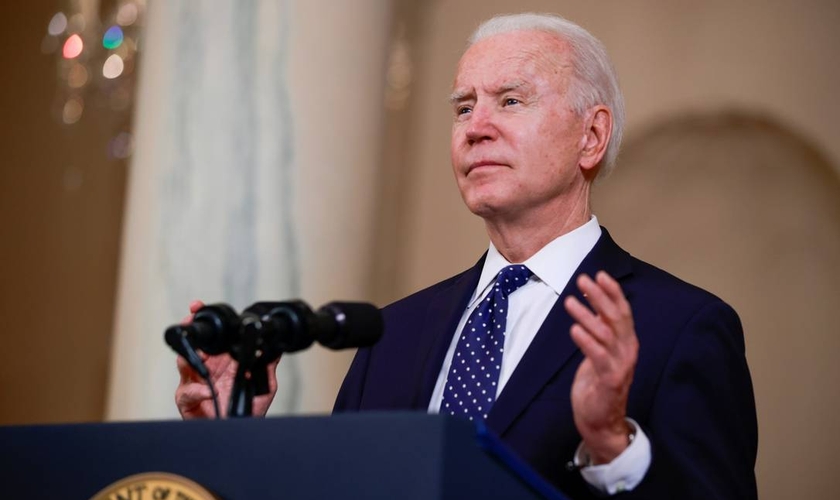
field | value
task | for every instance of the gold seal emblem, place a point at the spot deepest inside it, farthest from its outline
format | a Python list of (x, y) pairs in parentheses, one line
[(155, 486)]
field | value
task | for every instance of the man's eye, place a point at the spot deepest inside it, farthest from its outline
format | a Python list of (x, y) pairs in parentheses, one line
[(510, 101), (462, 110)]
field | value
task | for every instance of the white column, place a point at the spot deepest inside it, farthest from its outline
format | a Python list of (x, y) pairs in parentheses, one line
[(254, 175)]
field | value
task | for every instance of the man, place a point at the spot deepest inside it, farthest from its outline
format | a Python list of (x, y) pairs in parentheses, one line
[(647, 392)]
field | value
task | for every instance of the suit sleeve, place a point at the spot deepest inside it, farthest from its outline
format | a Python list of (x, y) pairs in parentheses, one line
[(702, 423)]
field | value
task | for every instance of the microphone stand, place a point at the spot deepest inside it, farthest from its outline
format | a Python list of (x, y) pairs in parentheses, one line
[(253, 354), (246, 354)]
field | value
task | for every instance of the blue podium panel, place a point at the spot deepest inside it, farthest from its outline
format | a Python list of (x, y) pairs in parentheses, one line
[(367, 455)]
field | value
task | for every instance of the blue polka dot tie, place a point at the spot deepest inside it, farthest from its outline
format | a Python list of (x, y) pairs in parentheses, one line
[(473, 377)]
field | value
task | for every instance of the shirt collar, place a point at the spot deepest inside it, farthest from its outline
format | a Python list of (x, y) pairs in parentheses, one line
[(554, 264)]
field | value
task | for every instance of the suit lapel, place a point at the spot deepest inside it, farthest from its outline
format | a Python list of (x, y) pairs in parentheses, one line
[(552, 348), (444, 313)]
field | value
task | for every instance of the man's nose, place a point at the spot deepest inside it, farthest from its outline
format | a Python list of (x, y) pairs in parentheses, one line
[(481, 125)]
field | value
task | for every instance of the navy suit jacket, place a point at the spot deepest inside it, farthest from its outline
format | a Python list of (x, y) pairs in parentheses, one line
[(691, 391)]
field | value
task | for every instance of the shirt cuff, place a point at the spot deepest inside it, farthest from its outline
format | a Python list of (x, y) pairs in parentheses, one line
[(625, 472)]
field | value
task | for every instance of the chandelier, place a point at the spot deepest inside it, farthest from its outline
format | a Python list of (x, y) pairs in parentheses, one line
[(96, 45)]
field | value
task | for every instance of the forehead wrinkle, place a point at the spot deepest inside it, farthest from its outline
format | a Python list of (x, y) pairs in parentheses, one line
[(543, 63), (494, 89), (546, 59), (512, 85)]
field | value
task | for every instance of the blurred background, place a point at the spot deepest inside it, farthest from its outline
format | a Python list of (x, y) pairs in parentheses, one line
[(157, 152)]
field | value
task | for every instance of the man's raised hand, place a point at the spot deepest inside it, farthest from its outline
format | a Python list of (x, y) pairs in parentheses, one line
[(610, 347)]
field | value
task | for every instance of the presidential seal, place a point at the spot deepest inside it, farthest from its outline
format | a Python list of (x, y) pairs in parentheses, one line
[(155, 486)]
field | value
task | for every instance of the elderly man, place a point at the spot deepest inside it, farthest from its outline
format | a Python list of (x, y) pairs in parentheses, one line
[(645, 391)]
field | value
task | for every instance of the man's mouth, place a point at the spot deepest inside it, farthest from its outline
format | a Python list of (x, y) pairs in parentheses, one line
[(484, 164)]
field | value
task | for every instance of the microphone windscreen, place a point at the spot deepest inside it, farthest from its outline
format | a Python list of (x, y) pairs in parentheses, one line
[(351, 324)]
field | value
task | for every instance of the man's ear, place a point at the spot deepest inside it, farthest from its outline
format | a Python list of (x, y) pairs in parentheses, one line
[(596, 136)]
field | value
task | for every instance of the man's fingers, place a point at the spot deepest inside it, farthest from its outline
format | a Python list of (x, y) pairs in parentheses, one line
[(188, 374), (611, 287), (605, 336), (190, 396), (218, 365), (589, 321), (607, 299), (194, 307), (186, 371), (591, 348), (598, 298)]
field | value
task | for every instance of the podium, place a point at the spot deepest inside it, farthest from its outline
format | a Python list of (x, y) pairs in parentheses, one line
[(362, 455)]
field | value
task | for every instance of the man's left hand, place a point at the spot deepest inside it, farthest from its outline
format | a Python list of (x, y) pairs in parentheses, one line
[(608, 341)]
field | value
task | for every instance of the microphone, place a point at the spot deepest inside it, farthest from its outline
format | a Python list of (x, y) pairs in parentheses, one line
[(212, 328), (342, 325), (263, 333), (210, 331), (283, 326), (292, 326)]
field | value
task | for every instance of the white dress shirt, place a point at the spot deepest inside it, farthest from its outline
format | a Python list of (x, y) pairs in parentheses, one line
[(553, 267)]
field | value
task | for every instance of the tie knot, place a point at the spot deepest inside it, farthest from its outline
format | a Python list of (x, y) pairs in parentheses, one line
[(511, 278)]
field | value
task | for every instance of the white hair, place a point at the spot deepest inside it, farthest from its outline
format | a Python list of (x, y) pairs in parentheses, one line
[(595, 80)]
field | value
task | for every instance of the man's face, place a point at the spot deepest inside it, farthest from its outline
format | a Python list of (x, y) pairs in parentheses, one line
[(516, 142)]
